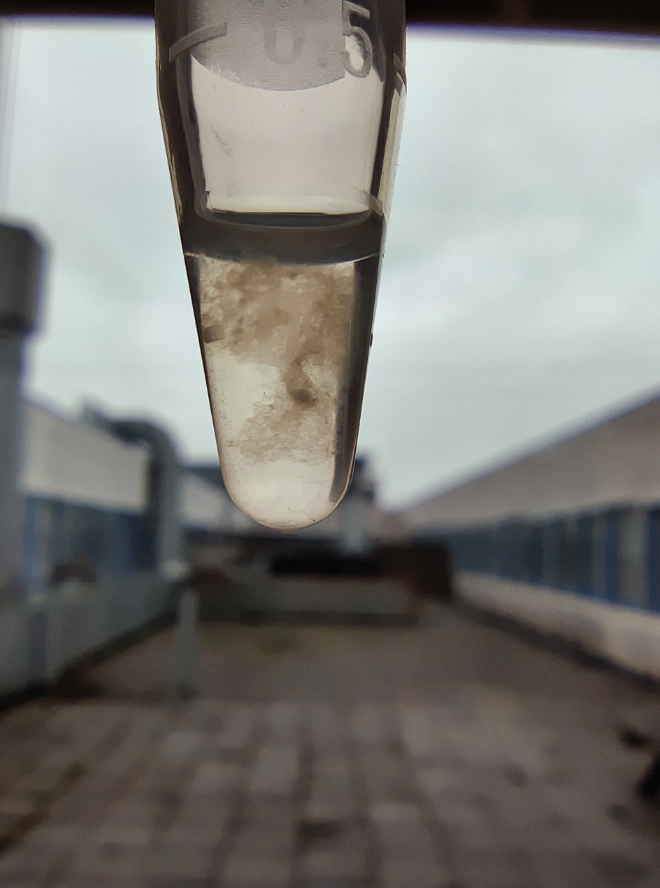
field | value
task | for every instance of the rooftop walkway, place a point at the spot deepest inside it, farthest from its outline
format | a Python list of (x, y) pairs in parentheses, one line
[(450, 756)]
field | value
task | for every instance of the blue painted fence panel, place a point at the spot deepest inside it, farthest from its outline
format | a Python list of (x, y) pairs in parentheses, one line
[(113, 544), (613, 555)]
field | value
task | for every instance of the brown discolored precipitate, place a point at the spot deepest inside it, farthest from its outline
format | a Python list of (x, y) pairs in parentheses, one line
[(285, 355), (281, 123)]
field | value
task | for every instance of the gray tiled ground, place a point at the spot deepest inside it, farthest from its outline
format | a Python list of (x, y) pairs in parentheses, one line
[(452, 756)]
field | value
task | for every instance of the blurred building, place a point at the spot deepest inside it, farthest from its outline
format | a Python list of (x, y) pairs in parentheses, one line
[(565, 538), (103, 507), (110, 521), (21, 271)]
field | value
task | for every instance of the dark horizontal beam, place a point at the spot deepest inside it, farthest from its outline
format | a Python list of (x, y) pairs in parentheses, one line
[(608, 16)]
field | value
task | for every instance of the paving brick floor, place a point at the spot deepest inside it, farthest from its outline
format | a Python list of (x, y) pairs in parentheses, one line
[(450, 756)]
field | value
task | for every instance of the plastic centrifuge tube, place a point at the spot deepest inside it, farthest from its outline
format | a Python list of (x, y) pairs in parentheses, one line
[(281, 121)]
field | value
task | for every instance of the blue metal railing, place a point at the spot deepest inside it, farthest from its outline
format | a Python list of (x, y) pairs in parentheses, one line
[(597, 554), (113, 543)]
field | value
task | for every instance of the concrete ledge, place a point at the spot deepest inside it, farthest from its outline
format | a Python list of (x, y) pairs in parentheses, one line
[(344, 599), (626, 637)]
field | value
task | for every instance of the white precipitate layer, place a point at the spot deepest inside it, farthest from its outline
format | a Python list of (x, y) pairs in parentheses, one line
[(276, 341)]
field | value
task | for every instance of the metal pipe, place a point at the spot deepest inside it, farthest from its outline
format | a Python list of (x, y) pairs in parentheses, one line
[(21, 259)]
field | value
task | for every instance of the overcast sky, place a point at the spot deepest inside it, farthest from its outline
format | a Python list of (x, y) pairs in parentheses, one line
[(521, 289)]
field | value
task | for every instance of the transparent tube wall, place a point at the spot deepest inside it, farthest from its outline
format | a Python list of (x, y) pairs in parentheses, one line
[(281, 120)]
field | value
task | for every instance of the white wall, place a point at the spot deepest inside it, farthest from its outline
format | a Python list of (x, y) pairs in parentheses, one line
[(617, 462), (623, 635), (69, 460)]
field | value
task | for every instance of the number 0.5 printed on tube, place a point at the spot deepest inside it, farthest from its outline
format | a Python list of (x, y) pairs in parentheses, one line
[(281, 121)]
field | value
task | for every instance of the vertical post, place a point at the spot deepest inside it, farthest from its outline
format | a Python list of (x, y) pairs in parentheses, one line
[(186, 644), (164, 494), (355, 512), (20, 273)]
